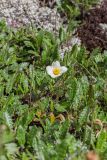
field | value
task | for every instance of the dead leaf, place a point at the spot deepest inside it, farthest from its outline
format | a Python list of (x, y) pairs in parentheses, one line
[(52, 118), (91, 155)]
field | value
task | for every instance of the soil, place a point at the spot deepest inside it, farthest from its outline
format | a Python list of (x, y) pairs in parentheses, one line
[(93, 30)]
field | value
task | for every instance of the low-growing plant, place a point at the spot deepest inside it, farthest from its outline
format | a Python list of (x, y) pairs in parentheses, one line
[(75, 10), (46, 116)]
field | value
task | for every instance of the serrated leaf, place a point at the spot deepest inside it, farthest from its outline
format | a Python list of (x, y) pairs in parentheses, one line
[(21, 135)]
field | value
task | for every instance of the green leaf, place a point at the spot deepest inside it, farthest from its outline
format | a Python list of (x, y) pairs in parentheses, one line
[(60, 108), (72, 89), (29, 44), (44, 57), (101, 145), (21, 135), (10, 83), (8, 120)]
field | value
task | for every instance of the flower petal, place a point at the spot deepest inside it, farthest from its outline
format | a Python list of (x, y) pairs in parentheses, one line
[(54, 76), (56, 64), (49, 70), (64, 69)]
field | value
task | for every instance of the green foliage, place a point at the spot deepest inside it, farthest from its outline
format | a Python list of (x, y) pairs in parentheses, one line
[(74, 10), (47, 117), (101, 145)]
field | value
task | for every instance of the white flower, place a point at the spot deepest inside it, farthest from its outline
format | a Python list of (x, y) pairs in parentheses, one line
[(56, 70)]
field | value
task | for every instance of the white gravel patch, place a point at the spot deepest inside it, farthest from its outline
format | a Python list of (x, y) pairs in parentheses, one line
[(103, 26), (25, 12)]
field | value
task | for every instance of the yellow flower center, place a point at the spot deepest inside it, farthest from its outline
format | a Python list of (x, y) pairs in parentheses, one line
[(56, 71)]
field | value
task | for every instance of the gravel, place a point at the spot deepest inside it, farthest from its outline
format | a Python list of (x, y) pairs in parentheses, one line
[(25, 12)]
